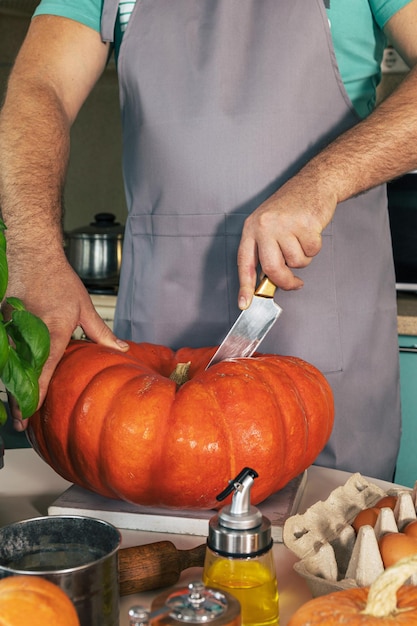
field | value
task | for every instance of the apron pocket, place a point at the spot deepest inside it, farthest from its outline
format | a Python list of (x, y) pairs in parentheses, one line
[(309, 325), (183, 272)]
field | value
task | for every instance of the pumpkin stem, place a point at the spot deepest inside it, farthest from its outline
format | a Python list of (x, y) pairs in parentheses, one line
[(180, 373), (382, 596)]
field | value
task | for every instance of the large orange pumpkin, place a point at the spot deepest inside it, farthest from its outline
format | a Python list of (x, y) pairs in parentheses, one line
[(117, 424), (33, 600)]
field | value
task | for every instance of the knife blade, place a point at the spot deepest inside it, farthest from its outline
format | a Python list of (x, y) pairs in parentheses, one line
[(252, 325)]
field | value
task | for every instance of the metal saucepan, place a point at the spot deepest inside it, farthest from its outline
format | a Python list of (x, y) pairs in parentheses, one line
[(95, 251)]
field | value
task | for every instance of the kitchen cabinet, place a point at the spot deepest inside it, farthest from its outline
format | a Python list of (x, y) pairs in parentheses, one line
[(406, 472)]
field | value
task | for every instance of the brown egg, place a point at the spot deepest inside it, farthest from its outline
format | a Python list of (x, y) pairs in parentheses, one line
[(387, 501), (395, 546), (411, 529), (366, 517)]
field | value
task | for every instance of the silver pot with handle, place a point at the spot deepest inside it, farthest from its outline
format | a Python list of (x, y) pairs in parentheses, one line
[(78, 554), (95, 251)]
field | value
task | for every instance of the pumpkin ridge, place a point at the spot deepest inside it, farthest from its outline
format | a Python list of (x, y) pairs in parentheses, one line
[(288, 388), (83, 457), (143, 428), (324, 388), (118, 432), (173, 462), (232, 464), (255, 456), (79, 457), (293, 384), (317, 383)]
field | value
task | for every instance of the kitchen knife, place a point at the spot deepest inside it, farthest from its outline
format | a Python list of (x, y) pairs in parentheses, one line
[(251, 326)]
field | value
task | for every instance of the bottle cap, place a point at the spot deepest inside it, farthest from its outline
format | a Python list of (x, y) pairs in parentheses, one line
[(240, 529)]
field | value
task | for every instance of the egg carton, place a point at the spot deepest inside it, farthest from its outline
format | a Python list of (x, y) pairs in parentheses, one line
[(332, 556)]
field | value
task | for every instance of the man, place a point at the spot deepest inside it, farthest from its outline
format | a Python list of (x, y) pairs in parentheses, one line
[(241, 146)]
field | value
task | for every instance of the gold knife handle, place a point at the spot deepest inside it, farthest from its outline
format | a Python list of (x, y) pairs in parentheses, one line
[(266, 288)]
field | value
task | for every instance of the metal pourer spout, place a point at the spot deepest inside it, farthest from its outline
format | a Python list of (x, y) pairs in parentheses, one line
[(240, 514), (239, 529)]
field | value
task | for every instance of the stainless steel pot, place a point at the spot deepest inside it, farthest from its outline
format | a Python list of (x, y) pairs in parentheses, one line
[(79, 554), (95, 251)]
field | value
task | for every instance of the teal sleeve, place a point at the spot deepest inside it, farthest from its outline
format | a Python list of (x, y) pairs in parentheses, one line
[(87, 12), (383, 10)]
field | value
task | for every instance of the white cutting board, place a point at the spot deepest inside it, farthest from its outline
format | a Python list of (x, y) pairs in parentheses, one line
[(77, 501)]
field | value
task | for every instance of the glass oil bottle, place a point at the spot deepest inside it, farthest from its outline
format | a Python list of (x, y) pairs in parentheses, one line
[(239, 557)]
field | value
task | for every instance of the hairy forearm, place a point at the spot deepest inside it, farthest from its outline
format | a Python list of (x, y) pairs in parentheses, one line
[(378, 149), (34, 148)]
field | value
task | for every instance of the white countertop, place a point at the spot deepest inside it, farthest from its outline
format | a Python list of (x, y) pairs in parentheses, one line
[(28, 486)]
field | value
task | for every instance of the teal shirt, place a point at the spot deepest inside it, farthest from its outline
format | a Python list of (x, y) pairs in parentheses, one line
[(356, 27)]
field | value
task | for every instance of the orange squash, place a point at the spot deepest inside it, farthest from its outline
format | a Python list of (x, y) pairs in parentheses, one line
[(36, 601), (119, 425), (387, 602)]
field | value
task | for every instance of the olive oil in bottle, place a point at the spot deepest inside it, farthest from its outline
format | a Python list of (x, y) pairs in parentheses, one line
[(239, 558)]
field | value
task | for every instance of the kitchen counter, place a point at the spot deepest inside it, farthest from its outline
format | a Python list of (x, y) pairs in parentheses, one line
[(406, 302), (28, 486), (407, 313)]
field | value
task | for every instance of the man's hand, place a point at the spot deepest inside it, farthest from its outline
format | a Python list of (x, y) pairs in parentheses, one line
[(63, 303), (283, 234)]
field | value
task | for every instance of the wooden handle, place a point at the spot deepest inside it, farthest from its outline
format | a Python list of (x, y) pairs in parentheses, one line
[(154, 565), (266, 288)]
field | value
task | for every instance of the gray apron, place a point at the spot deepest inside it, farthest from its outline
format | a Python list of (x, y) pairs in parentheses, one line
[(222, 101)]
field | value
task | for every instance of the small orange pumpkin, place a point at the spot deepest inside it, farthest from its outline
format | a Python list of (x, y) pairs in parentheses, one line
[(385, 603), (36, 601), (118, 424)]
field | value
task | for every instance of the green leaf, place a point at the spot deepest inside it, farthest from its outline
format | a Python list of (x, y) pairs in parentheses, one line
[(3, 414), (22, 382), (31, 338), (16, 303), (4, 347), (21, 363)]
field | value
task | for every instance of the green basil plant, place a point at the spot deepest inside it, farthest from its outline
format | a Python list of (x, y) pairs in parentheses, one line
[(24, 346)]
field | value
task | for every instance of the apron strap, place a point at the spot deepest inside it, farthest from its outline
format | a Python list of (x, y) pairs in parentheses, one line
[(108, 19)]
